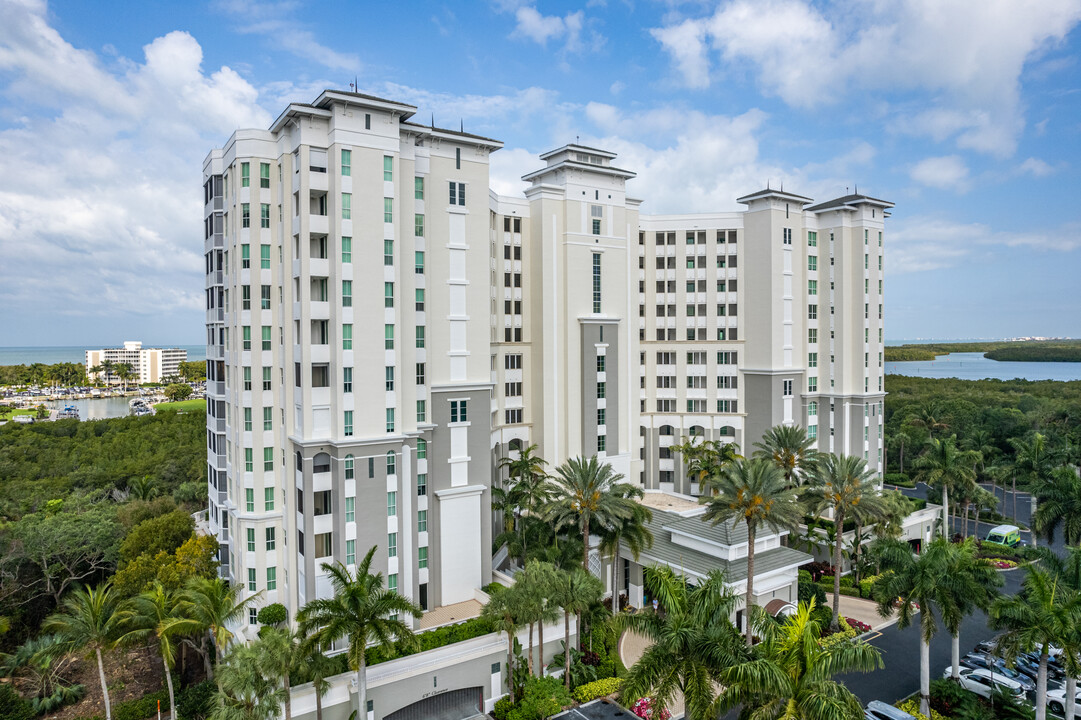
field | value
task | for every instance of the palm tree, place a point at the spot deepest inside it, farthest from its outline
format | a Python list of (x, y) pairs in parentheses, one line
[(589, 494), (152, 615), (1068, 570), (107, 366), (919, 586), (1045, 613), (279, 657), (706, 458), (932, 417), (843, 484), (208, 606), (789, 448), (899, 439), (244, 691), (89, 619), (1059, 506), (693, 640), (791, 674), (1033, 461), (756, 492), (974, 583), (575, 591), (361, 610), (317, 667), (527, 490), (533, 585), (502, 611), (944, 466), (631, 532)]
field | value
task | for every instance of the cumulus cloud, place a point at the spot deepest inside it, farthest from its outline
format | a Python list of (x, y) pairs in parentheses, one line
[(812, 55), (279, 22), (569, 29), (1036, 168), (102, 216), (945, 173)]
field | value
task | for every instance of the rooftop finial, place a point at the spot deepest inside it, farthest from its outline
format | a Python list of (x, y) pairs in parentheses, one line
[(767, 183), (433, 120), (782, 186), (576, 140), (461, 125), (857, 189)]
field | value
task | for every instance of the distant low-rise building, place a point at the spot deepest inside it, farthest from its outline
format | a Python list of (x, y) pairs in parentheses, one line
[(148, 364)]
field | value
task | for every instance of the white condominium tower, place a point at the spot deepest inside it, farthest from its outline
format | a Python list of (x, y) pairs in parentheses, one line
[(382, 329)]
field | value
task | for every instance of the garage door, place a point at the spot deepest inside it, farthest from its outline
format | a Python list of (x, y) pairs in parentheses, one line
[(451, 705)]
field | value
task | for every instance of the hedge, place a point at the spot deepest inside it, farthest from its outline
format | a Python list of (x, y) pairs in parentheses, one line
[(596, 689), (912, 707), (430, 639), (899, 479), (847, 590)]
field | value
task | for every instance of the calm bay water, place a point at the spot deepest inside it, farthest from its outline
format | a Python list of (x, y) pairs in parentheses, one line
[(974, 366), (51, 355), (95, 408)]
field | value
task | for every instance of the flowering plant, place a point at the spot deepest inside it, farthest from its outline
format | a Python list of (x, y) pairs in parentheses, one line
[(860, 627), (1004, 564), (644, 709)]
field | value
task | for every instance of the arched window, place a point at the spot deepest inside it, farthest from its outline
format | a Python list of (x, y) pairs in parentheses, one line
[(321, 463), (667, 430), (391, 464), (300, 462), (515, 444), (349, 472), (422, 449), (728, 431), (697, 431)]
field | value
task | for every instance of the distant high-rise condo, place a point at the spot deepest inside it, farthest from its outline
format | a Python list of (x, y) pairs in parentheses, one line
[(148, 365)]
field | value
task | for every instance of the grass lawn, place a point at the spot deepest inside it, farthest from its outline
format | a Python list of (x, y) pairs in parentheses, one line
[(198, 404)]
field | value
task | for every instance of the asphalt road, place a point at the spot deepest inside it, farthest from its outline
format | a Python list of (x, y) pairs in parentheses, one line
[(900, 676)]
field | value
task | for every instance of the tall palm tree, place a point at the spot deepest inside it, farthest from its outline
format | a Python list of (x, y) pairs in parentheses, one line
[(1068, 570), (693, 640), (107, 366), (207, 607), (89, 619), (361, 610), (1033, 461), (948, 468), (919, 586), (631, 532), (899, 439), (842, 483), (974, 584), (930, 416), (1059, 506), (790, 676), (317, 668), (244, 691), (152, 615), (526, 492), (502, 611), (789, 448), (706, 458), (575, 591), (757, 493), (278, 657), (1045, 613), (533, 586), (589, 495)]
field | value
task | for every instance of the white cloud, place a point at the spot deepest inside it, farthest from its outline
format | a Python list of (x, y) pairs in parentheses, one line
[(533, 25), (1036, 167), (279, 22), (945, 173), (102, 217), (919, 244), (811, 55)]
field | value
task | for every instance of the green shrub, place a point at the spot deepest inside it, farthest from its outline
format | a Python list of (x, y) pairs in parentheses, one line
[(850, 591), (541, 698), (446, 635), (195, 702), (847, 632), (503, 707), (848, 581), (992, 549), (912, 707), (12, 706), (804, 576), (493, 588), (807, 591), (272, 614), (899, 479), (596, 689), (867, 585)]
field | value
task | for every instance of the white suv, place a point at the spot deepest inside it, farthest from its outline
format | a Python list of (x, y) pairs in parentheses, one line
[(983, 682)]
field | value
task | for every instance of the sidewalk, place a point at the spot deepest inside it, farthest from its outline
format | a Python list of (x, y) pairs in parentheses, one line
[(865, 611)]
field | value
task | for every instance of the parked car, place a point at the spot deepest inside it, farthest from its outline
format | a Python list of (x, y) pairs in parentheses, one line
[(1056, 702), (1009, 535), (983, 682), (877, 710), (998, 666)]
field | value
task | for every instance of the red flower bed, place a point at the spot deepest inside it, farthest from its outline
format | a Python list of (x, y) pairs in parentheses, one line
[(860, 627)]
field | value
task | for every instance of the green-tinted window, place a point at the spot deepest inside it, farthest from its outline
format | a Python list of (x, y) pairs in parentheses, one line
[(249, 506), (418, 225), (350, 509), (245, 215), (388, 294), (347, 293), (264, 215), (812, 239), (422, 449), (422, 411), (246, 336), (264, 257), (247, 419), (271, 539), (422, 521), (248, 461), (418, 262), (392, 504), (347, 162), (252, 586), (347, 249), (347, 206), (420, 336), (388, 337), (245, 256), (418, 188), (268, 499), (264, 175), (388, 210), (812, 287), (245, 175), (390, 419), (388, 168), (347, 337), (422, 558), (812, 262), (266, 338), (268, 418), (351, 557), (388, 252), (268, 464), (348, 424), (272, 578)]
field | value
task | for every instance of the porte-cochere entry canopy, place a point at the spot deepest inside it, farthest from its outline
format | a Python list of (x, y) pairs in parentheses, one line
[(451, 705)]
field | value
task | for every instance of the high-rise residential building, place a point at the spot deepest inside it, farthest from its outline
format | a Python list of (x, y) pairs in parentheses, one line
[(149, 365), (383, 329)]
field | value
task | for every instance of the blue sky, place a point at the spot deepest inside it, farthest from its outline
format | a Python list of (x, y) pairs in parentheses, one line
[(967, 115)]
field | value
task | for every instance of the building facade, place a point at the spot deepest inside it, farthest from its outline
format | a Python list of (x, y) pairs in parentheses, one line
[(382, 329), (150, 365)]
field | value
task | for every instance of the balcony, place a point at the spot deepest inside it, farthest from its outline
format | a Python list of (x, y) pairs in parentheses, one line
[(215, 424), (319, 224), (213, 278)]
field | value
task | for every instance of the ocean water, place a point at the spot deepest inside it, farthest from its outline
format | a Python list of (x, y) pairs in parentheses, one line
[(974, 366), (50, 355)]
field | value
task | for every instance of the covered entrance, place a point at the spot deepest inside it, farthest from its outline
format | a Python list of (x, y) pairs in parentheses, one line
[(451, 705)]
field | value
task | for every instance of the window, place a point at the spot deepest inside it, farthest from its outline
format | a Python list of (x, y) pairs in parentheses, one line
[(392, 582), (249, 506), (252, 586), (388, 210), (271, 578), (602, 443), (264, 215), (419, 299), (247, 419), (347, 337), (812, 432), (422, 521), (388, 294), (347, 163), (388, 252), (512, 417), (348, 423), (457, 193), (786, 388), (347, 293), (245, 174), (418, 225), (351, 554), (390, 419), (600, 363), (812, 312), (422, 558), (388, 337), (350, 509), (268, 499), (601, 417), (323, 545), (392, 504), (253, 616), (264, 257), (812, 336), (422, 449), (812, 262), (812, 287), (812, 384), (245, 297), (422, 484), (247, 378), (347, 379), (347, 249), (392, 545), (245, 215), (420, 336), (596, 282), (268, 465), (418, 188), (812, 409), (459, 410), (420, 374), (264, 297), (418, 262), (812, 360), (812, 239), (601, 389), (787, 236), (265, 331), (245, 256)]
